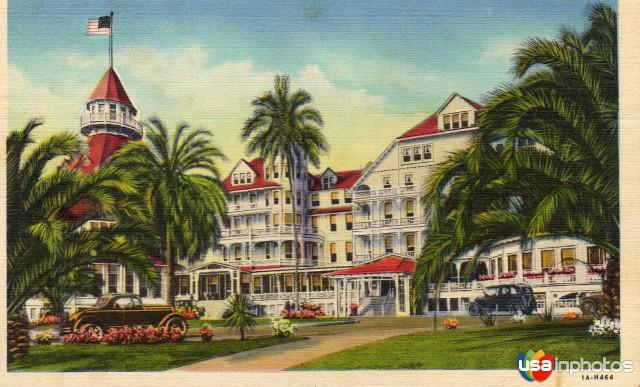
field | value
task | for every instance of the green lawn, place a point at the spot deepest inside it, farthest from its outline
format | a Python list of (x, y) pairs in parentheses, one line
[(262, 321), (478, 348), (135, 357)]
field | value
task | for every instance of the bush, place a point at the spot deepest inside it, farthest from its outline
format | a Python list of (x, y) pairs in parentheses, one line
[(83, 336), (489, 320), (605, 327), (43, 338), (308, 311), (450, 323), (570, 316), (284, 328), (141, 335), (547, 313), (519, 318)]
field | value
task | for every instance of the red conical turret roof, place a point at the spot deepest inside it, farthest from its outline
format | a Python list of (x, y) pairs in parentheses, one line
[(111, 88)]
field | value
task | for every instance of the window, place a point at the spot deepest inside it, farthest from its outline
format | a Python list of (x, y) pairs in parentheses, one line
[(386, 182), (252, 198), (409, 208), (235, 178), (257, 284), (314, 221), (417, 155), (112, 111), (446, 119), (411, 243), (248, 177), (315, 200), (527, 261), (124, 303), (332, 221), (388, 210), (128, 281), (406, 155), (349, 221), (333, 250), (314, 252), (242, 180), (287, 197), (298, 219), (426, 152), (408, 180), (286, 171), (237, 252), (348, 247), (276, 219), (248, 221), (288, 219), (465, 119), (512, 263), (288, 282), (276, 197), (455, 119), (267, 173), (548, 258), (112, 278), (236, 199), (327, 182), (568, 257), (347, 197), (183, 285), (298, 198), (276, 173), (388, 244), (267, 250), (288, 249), (595, 255), (267, 220), (500, 265), (266, 199), (334, 198)]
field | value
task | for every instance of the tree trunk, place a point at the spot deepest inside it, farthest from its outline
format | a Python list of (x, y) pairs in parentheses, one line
[(17, 337), (241, 333), (611, 289), (168, 272), (296, 277)]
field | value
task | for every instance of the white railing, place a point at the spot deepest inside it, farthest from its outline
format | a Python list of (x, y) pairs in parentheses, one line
[(385, 192), (362, 257), (291, 295), (109, 118), (269, 231), (546, 280), (362, 225), (260, 261)]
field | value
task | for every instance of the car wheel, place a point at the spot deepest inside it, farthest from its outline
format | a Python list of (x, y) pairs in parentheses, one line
[(474, 310), (93, 327), (515, 308), (176, 322)]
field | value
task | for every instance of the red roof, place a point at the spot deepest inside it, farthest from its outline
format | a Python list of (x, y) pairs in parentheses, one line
[(259, 182), (111, 88), (345, 180), (331, 210), (427, 127), (391, 264)]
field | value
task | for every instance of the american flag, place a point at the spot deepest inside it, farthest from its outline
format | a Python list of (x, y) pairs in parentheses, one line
[(99, 26)]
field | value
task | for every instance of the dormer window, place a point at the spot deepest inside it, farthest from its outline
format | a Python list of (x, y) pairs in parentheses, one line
[(427, 153), (327, 182), (275, 172), (446, 119), (465, 119), (417, 154), (406, 155), (235, 179), (455, 120), (249, 177), (242, 179)]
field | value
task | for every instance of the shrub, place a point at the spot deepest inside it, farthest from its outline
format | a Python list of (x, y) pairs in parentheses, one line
[(519, 318), (605, 327), (48, 320), (284, 328), (570, 316), (450, 323), (240, 317), (142, 335), (308, 311), (547, 313), (43, 338), (488, 319), (82, 336)]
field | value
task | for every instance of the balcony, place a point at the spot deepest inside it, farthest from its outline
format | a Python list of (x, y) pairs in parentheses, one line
[(287, 296), (556, 279), (415, 220), (105, 119), (385, 192), (273, 230)]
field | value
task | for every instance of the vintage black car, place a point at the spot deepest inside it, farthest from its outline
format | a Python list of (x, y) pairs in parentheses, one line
[(119, 310), (591, 304), (502, 299)]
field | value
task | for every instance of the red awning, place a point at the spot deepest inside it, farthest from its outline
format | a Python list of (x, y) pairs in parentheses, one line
[(391, 264)]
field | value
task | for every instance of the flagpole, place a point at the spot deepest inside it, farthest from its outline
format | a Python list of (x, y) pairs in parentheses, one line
[(111, 40)]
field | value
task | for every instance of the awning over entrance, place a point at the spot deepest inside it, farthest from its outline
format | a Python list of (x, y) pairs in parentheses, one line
[(384, 265)]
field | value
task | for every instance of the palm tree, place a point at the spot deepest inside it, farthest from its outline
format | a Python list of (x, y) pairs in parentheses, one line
[(44, 243), (564, 101), (83, 280), (239, 315), (181, 190), (283, 126)]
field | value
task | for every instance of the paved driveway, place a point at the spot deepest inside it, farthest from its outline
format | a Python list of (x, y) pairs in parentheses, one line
[(322, 340)]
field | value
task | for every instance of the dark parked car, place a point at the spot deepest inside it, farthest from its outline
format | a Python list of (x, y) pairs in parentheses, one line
[(119, 310), (504, 299)]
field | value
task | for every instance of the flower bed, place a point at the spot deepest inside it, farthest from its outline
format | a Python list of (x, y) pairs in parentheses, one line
[(83, 336), (533, 274), (141, 335), (189, 313), (450, 323), (506, 274), (49, 319), (570, 315), (308, 311), (561, 270), (486, 277)]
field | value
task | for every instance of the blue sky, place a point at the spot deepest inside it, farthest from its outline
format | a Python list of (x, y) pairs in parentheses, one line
[(373, 67)]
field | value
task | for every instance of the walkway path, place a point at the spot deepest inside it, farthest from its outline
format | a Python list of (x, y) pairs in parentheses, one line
[(322, 341)]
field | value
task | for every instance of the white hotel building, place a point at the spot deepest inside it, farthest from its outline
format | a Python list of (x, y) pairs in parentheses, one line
[(360, 231)]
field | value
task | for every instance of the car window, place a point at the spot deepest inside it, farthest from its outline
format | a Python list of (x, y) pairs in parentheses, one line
[(515, 290), (124, 303), (505, 291), (136, 302), (102, 301), (491, 292)]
